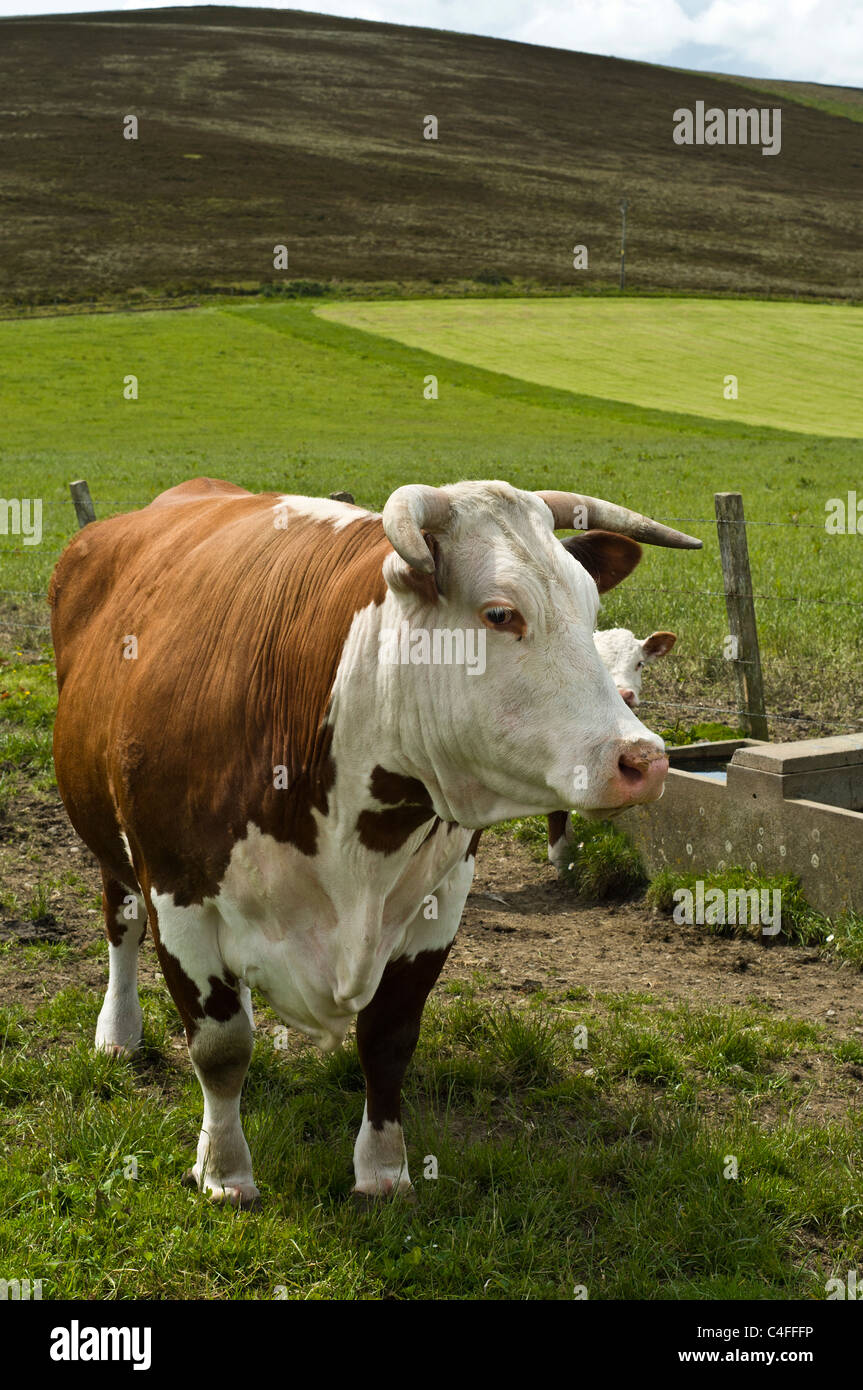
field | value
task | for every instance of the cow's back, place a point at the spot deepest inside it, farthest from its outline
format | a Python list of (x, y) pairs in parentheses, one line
[(197, 642)]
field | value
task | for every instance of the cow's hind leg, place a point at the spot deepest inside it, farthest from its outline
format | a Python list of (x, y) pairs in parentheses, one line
[(387, 1032), (216, 1011), (220, 1051), (118, 1029)]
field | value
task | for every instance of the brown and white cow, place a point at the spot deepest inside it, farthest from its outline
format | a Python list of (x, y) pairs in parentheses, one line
[(290, 812), (624, 656)]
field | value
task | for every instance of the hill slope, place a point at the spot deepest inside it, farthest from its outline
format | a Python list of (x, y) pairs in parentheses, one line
[(260, 127)]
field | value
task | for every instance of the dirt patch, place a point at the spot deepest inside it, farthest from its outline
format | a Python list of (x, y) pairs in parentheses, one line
[(542, 937), (523, 930)]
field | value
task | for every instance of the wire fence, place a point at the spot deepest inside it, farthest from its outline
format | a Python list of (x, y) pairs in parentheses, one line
[(760, 598), (136, 502), (654, 589), (10, 623)]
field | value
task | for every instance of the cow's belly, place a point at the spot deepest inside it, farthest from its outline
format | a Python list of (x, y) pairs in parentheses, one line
[(314, 935)]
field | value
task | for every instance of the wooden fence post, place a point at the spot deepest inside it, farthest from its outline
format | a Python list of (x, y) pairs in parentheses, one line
[(739, 602), (84, 509)]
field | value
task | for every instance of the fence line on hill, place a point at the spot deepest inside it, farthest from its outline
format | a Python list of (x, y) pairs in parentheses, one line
[(737, 592)]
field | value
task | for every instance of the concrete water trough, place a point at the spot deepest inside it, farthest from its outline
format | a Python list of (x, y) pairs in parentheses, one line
[(775, 808)]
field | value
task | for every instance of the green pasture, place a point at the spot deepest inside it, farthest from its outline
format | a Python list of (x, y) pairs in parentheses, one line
[(795, 365), (559, 1172)]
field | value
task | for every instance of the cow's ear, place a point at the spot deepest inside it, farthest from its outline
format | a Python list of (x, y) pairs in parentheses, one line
[(607, 557), (406, 581), (658, 644)]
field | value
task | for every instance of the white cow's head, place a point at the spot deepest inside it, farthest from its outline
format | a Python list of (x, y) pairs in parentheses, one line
[(625, 657), (542, 727)]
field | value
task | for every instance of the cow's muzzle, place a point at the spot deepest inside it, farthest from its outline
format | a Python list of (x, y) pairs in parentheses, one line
[(641, 773)]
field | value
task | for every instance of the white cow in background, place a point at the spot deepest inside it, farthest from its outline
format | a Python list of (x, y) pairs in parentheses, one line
[(624, 656)]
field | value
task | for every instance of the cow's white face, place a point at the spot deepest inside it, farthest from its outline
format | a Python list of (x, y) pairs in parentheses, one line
[(541, 726), (625, 657)]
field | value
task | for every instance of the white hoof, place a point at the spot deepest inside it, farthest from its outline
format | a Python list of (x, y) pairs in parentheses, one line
[(114, 1049), (241, 1194)]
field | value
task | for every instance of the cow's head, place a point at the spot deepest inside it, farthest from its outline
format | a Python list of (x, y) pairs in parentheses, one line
[(625, 657), (541, 726)]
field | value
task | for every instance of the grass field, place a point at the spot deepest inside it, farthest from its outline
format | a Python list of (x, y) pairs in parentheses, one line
[(836, 101), (794, 364), (604, 1169)]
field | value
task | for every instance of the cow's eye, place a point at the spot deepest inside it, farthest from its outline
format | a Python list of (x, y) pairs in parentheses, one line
[(502, 619), (639, 666)]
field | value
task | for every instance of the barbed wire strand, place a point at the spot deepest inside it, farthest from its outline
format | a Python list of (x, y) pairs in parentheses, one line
[(759, 598), (633, 590), (677, 520)]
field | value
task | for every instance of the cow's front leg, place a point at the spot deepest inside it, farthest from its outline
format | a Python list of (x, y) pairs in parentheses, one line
[(216, 1010), (387, 1032), (560, 839)]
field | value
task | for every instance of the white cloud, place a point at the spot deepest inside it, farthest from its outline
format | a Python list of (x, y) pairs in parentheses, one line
[(810, 40)]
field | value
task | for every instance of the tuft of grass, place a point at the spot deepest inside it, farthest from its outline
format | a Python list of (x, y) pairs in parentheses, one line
[(531, 831), (10, 902), (526, 1045), (40, 900), (841, 936), (8, 791), (845, 936), (605, 864), (645, 1055)]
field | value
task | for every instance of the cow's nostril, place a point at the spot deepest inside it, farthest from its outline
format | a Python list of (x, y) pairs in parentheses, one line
[(627, 695), (631, 772), (640, 765)]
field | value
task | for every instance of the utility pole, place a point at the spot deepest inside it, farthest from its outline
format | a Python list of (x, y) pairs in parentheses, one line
[(623, 206)]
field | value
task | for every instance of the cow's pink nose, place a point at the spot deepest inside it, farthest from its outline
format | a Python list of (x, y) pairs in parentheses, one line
[(642, 769), (627, 695)]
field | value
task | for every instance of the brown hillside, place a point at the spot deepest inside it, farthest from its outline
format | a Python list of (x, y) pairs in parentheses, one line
[(260, 127)]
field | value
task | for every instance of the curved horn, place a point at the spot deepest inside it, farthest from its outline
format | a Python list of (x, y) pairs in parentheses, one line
[(409, 510), (607, 516)]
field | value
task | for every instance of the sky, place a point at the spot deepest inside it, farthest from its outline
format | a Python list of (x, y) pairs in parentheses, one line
[(808, 40)]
